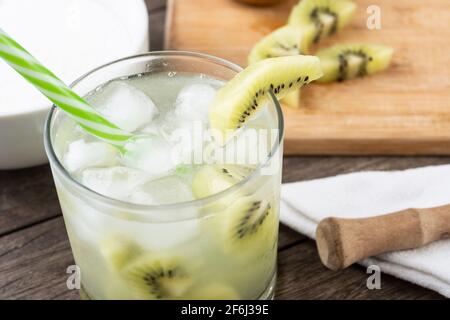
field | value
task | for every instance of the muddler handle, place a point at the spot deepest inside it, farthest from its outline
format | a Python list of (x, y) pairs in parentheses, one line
[(342, 242)]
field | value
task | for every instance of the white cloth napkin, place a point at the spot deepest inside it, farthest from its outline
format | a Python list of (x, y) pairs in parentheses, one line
[(365, 194)]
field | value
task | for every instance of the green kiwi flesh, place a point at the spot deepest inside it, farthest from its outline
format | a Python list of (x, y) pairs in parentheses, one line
[(157, 277), (292, 100), (255, 213), (327, 16), (249, 225), (348, 61), (118, 250), (248, 219), (248, 91), (285, 41), (213, 179)]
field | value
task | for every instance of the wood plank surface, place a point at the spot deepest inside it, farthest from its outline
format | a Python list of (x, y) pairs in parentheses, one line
[(33, 259), (33, 263), (26, 197), (35, 252), (302, 276), (157, 17), (404, 111)]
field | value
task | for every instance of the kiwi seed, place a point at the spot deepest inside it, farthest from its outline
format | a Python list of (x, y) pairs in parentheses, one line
[(243, 228), (152, 280)]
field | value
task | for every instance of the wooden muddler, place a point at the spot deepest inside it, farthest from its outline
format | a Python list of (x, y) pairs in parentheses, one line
[(342, 242)]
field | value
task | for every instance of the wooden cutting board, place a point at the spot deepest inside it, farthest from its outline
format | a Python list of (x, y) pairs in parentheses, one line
[(404, 111)]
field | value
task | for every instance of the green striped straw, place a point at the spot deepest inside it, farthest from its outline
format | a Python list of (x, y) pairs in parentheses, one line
[(60, 94)]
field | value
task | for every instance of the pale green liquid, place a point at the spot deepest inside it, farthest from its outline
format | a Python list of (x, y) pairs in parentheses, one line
[(216, 265)]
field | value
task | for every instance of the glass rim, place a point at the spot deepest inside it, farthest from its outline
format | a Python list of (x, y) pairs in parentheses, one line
[(56, 163)]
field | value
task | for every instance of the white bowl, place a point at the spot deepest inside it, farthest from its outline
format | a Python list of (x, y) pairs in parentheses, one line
[(110, 29)]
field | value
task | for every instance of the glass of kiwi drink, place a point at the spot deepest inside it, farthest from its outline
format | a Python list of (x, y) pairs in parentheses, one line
[(178, 212)]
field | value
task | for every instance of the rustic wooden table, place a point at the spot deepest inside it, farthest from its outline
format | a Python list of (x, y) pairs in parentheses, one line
[(35, 252)]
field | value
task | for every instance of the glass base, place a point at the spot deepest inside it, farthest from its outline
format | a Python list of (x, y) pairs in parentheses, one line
[(268, 294), (84, 295)]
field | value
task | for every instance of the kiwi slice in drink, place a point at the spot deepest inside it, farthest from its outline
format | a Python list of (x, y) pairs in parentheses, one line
[(248, 91), (157, 277), (249, 225), (242, 208), (213, 179), (327, 16), (285, 41), (118, 250), (348, 61), (246, 225)]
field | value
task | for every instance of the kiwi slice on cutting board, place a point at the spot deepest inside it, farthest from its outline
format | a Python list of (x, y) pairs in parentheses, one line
[(327, 16), (245, 94), (285, 41), (213, 291), (348, 61), (157, 277)]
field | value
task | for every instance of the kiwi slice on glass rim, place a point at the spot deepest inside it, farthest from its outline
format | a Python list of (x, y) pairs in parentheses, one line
[(327, 16), (246, 94), (292, 99), (348, 61)]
